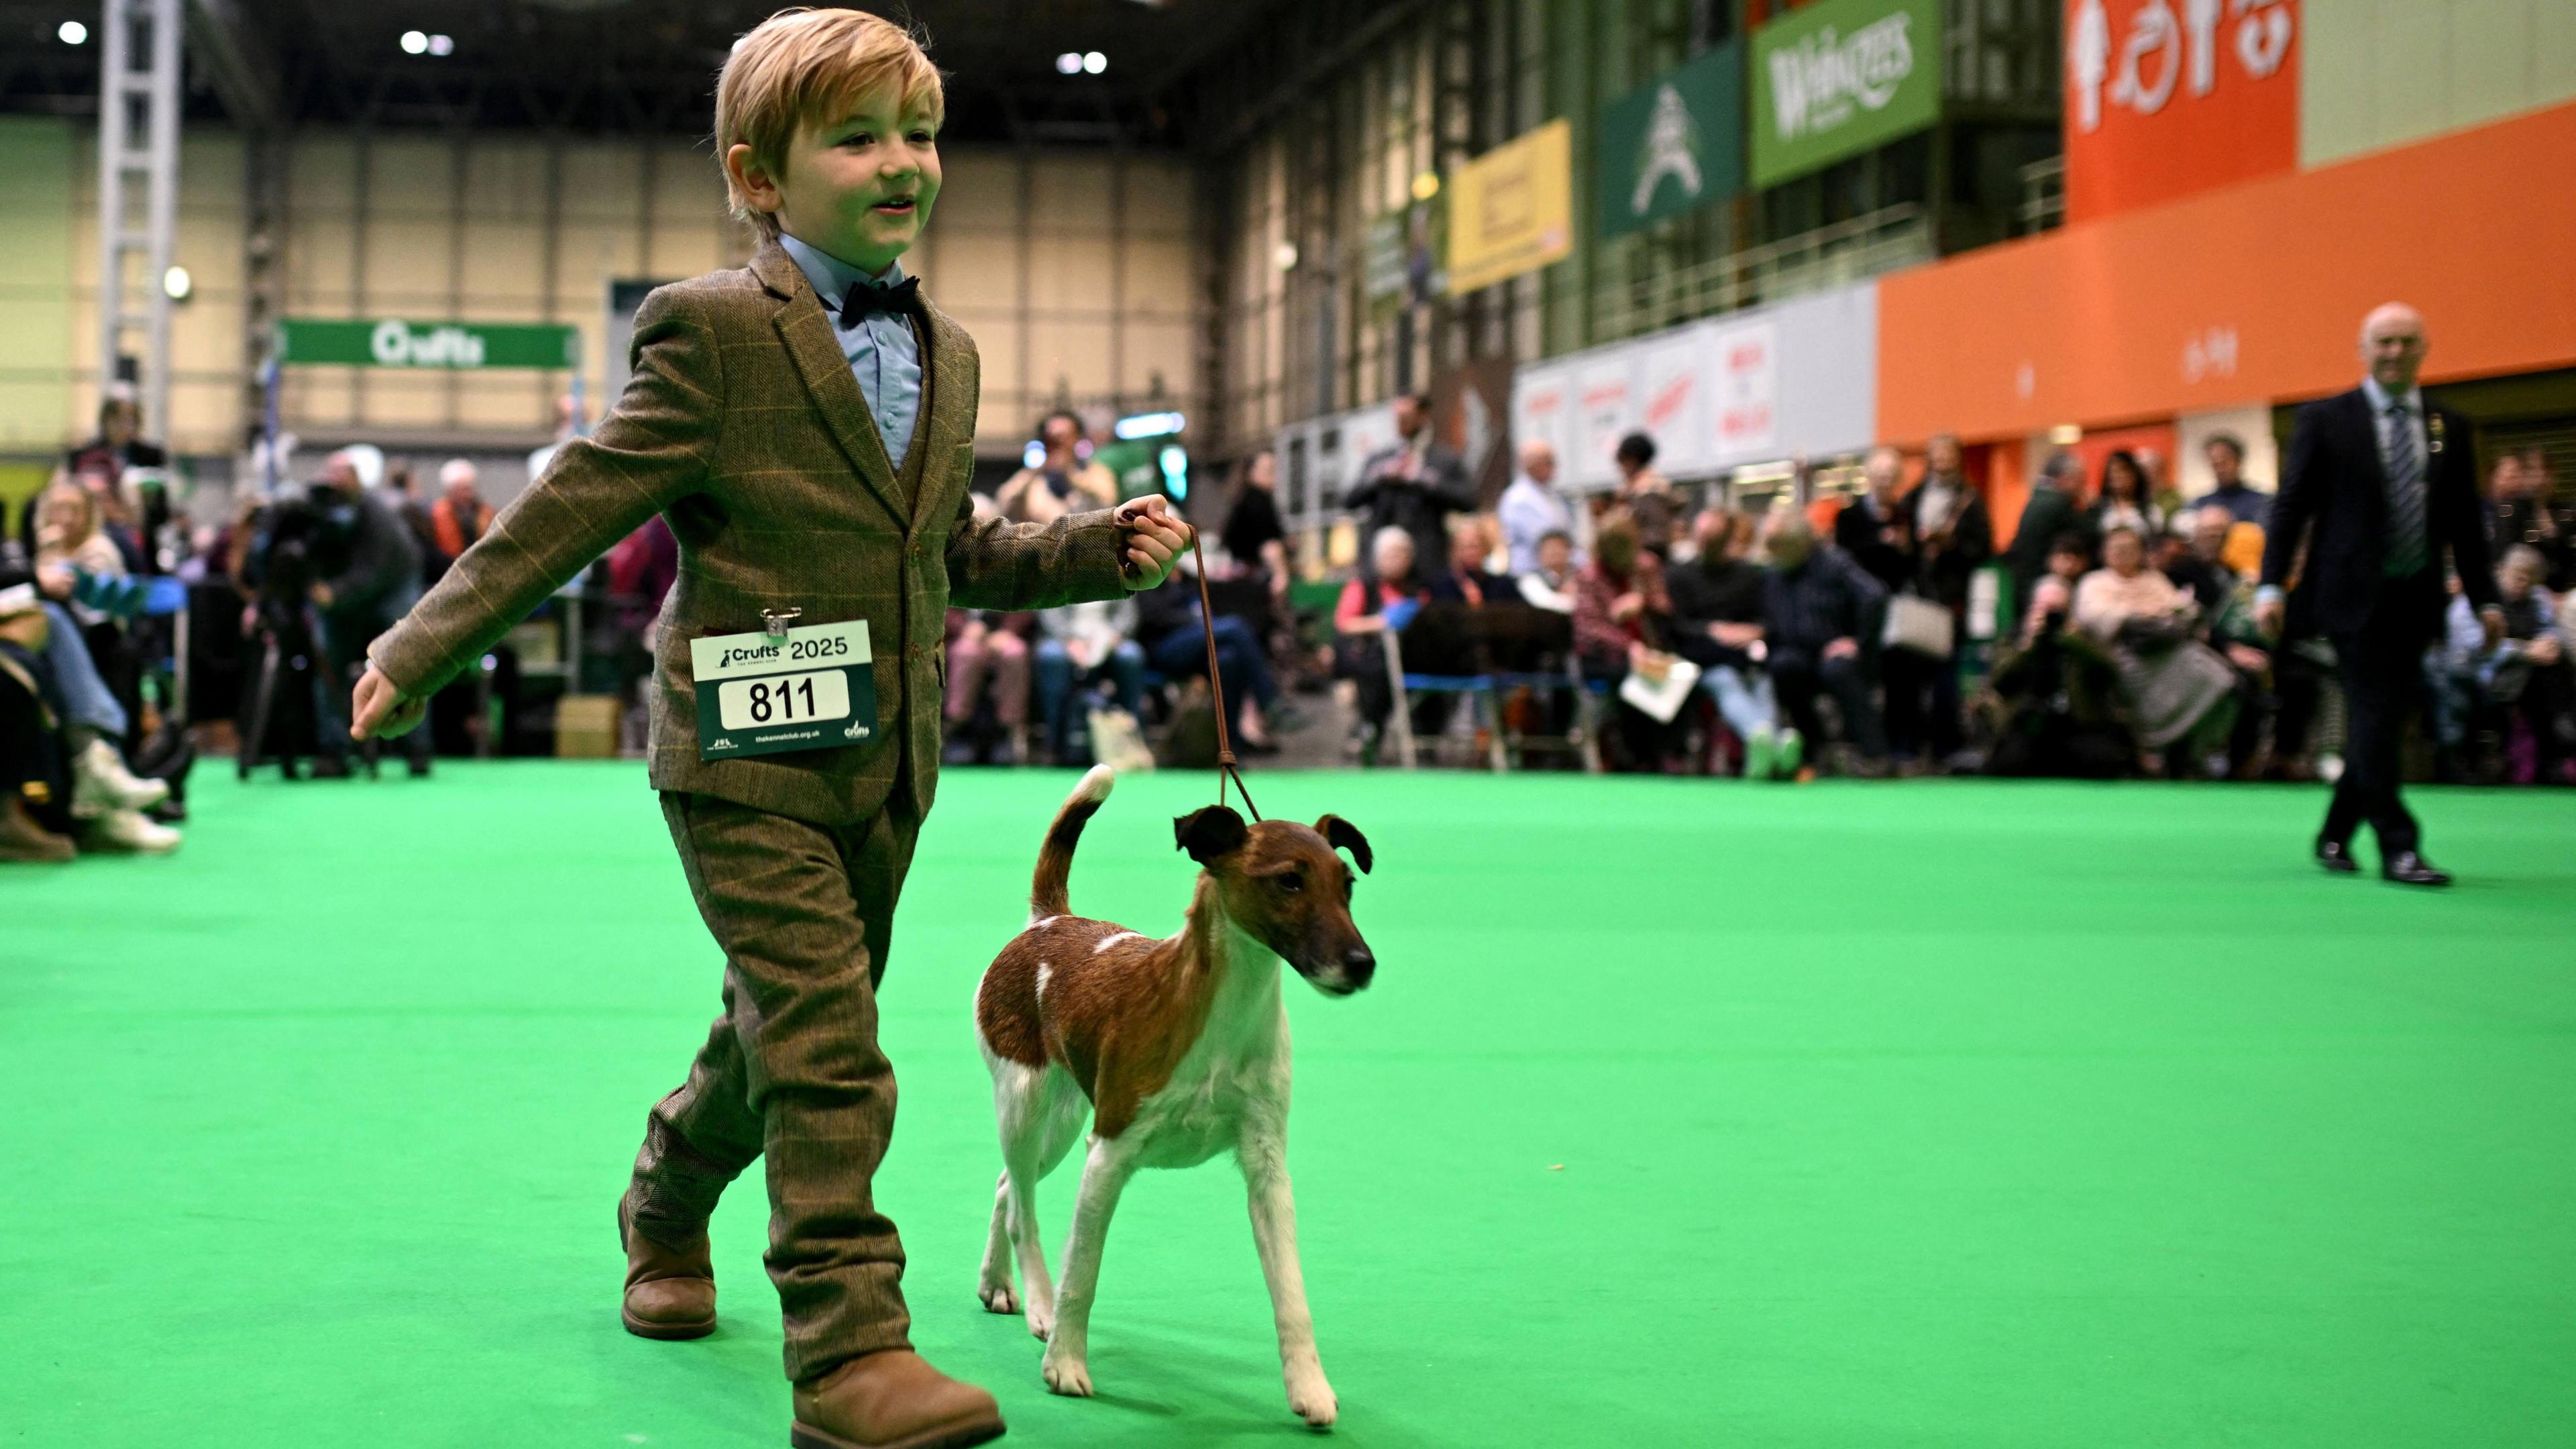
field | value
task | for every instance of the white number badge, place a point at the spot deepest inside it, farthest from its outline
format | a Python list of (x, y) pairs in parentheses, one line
[(772, 691)]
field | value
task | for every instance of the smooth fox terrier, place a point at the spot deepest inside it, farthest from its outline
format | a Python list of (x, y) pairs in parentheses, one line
[(1180, 1047)]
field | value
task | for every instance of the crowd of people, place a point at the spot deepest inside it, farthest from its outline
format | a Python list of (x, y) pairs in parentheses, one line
[(1838, 635), (1776, 644)]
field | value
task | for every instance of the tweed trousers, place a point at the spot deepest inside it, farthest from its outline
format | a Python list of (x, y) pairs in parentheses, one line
[(791, 1071)]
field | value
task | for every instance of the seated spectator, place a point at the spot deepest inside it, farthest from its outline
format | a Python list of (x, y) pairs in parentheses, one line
[(1622, 625), (70, 530), (2525, 514), (2527, 677), (2053, 699), (1531, 509), (2195, 561), (981, 646), (2227, 464), (1717, 625), (458, 517), (1175, 641), (1822, 618), (1386, 596), (1551, 585), (2070, 558), (58, 761), (1079, 646), (2124, 500), (2177, 690), (1472, 553)]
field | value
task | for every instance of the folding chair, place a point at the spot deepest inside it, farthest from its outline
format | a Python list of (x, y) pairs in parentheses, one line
[(1453, 625), (1533, 649)]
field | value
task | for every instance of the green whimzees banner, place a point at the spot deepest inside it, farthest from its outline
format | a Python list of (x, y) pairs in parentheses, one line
[(391, 342), (1674, 143), (1836, 78)]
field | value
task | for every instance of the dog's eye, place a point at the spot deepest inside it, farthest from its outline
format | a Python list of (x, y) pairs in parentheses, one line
[(1292, 882)]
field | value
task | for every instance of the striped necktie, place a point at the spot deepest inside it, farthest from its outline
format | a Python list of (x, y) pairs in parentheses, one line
[(2407, 553)]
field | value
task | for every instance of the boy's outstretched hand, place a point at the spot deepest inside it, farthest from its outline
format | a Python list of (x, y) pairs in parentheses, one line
[(1155, 538), (381, 710)]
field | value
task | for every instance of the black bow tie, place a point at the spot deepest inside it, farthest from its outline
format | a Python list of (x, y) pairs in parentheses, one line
[(865, 297)]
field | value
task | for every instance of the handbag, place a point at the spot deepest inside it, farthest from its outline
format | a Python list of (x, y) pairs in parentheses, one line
[(1919, 625)]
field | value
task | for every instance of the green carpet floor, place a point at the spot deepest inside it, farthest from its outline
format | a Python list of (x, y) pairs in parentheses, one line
[(1682, 1113)]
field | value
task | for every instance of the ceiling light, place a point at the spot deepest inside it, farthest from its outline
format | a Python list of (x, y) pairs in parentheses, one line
[(1426, 186), (1034, 455), (413, 42), (1069, 63), (1284, 256), (74, 33), (1094, 62), (178, 284), (441, 45)]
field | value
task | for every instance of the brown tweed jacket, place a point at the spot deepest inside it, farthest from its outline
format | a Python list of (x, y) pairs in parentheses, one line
[(745, 429)]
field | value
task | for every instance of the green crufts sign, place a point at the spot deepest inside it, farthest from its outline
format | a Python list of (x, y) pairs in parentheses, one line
[(1836, 78), (1674, 143), (390, 342)]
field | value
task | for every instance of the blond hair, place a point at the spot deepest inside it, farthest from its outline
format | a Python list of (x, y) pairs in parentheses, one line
[(804, 67)]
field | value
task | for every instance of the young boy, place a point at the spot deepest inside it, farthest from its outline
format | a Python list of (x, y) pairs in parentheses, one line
[(806, 426)]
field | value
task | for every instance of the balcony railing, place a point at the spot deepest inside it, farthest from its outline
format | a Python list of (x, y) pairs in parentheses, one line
[(2043, 196), (1829, 256)]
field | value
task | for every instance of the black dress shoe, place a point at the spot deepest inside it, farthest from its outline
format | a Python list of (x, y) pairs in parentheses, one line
[(2408, 868), (2336, 856)]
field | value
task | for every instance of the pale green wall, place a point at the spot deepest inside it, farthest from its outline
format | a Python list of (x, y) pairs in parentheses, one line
[(2379, 73), (36, 188)]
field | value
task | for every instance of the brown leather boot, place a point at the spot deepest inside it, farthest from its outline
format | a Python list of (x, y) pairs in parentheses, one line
[(670, 1292), (892, 1400), (21, 838)]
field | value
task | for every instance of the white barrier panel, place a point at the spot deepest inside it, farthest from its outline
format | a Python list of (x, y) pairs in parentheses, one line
[(1798, 377)]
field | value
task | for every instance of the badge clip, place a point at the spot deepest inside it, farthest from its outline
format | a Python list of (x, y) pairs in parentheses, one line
[(778, 622)]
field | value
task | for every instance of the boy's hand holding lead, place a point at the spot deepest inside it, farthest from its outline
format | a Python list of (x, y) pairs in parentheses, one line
[(1153, 537), (381, 710)]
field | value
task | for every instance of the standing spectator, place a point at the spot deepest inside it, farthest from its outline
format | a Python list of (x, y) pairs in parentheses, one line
[(1717, 625), (1414, 485), (2524, 515), (2244, 504), (1648, 495), (1530, 509), (458, 516), (985, 646), (118, 446), (376, 586), (1078, 646), (2178, 691), (402, 490), (1953, 539), (1876, 529), (2052, 511), (1622, 624), (1253, 535), (1822, 616), (1066, 481), (2124, 501), (2386, 482)]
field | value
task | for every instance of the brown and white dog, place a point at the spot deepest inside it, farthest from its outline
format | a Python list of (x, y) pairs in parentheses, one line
[(1179, 1045)]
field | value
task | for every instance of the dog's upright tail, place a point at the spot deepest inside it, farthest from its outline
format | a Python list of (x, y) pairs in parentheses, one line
[(1047, 895)]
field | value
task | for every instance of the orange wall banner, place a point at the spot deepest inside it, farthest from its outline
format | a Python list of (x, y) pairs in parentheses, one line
[(2251, 293), (2168, 97)]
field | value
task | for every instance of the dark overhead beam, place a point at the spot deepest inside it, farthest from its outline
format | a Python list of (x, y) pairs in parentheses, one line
[(237, 63)]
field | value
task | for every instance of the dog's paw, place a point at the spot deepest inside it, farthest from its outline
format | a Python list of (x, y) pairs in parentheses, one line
[(1313, 1401), (1041, 1323), (998, 1298), (1066, 1375)]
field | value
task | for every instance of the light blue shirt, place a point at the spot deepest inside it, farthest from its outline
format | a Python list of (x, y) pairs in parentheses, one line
[(884, 352), (1530, 511)]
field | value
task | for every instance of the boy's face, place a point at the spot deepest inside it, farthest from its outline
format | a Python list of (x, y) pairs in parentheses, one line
[(859, 187)]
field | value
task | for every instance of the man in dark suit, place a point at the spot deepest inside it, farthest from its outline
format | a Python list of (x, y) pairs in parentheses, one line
[(1414, 484), (2388, 484)]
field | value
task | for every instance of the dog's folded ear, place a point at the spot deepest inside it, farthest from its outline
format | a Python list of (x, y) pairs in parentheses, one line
[(1343, 835), (1209, 833)]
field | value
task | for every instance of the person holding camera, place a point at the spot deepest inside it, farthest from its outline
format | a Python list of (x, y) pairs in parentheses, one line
[(373, 579)]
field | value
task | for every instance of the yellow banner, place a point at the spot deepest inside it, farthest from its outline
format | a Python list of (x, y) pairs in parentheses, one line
[(1511, 210)]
